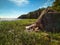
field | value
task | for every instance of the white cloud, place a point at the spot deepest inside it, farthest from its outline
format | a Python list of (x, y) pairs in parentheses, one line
[(20, 2), (48, 2)]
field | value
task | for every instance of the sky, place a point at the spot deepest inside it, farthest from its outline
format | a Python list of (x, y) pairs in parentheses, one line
[(15, 8)]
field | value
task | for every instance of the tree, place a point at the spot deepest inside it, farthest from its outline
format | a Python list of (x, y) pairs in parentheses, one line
[(56, 5)]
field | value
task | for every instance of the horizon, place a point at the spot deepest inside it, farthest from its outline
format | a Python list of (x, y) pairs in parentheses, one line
[(15, 8)]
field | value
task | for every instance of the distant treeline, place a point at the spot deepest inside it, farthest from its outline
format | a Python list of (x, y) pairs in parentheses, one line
[(32, 15), (35, 14)]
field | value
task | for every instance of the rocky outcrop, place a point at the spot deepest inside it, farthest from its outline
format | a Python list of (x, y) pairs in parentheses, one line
[(49, 20)]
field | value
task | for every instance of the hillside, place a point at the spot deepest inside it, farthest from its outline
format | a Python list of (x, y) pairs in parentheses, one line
[(31, 15)]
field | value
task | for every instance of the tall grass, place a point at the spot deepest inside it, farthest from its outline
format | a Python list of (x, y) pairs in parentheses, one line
[(13, 33)]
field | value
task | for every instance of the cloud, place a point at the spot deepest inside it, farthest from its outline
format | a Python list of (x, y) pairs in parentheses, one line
[(47, 3), (20, 2)]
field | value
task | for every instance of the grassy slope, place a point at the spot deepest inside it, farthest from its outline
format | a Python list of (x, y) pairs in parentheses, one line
[(13, 33)]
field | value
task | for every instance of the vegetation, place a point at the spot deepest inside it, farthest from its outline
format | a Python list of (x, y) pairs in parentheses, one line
[(56, 5), (14, 33), (32, 15)]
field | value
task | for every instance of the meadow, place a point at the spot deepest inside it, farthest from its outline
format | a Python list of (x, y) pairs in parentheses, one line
[(14, 33)]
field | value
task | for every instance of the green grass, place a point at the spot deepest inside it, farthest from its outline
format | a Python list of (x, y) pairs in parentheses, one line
[(13, 33)]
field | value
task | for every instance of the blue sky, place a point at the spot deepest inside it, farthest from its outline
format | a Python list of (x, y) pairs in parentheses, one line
[(15, 8)]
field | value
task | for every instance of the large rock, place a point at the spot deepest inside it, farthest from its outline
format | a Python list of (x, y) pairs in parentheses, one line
[(51, 22)]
